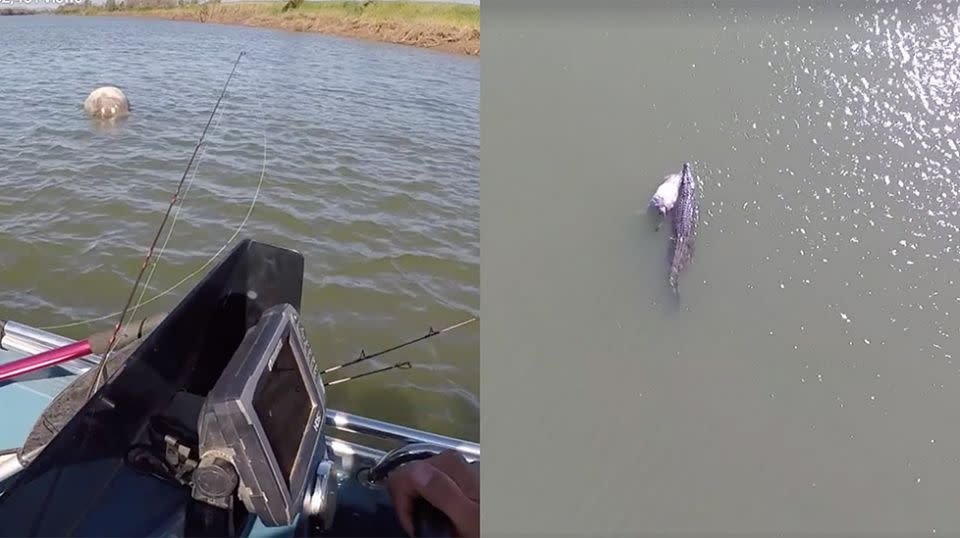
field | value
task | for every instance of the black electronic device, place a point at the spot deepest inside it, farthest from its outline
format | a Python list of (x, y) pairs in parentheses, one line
[(262, 421)]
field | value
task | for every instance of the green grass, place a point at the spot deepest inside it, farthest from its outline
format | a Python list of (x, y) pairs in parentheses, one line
[(441, 13), (395, 11)]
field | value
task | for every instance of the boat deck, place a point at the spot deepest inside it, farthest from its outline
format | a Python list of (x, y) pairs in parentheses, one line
[(28, 395)]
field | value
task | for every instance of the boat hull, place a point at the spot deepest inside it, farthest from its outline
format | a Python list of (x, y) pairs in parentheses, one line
[(362, 509)]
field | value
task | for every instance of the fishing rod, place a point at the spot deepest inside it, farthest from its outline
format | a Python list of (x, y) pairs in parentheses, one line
[(95, 344), (146, 260), (405, 365), (398, 366), (363, 356)]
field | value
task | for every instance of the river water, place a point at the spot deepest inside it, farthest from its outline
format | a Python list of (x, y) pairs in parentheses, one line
[(362, 156), (810, 380)]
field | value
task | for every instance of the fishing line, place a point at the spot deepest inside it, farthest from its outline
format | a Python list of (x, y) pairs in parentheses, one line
[(173, 224), (209, 261), (113, 339), (405, 365), (239, 228), (141, 302)]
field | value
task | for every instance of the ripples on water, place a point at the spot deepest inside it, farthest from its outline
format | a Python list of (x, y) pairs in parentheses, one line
[(853, 159), (881, 90), (876, 91), (818, 333), (371, 159)]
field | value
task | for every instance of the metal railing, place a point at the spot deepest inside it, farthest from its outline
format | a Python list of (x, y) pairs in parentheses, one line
[(29, 340)]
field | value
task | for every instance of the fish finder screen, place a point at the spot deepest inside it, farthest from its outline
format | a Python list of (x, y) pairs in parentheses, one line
[(283, 405)]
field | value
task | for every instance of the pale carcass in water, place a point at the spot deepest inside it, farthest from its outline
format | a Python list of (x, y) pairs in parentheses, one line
[(666, 196), (106, 103)]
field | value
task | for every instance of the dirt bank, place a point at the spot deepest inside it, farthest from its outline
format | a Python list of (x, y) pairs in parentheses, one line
[(445, 27)]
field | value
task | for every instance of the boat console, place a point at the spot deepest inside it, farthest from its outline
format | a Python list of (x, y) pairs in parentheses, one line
[(212, 425), (260, 426)]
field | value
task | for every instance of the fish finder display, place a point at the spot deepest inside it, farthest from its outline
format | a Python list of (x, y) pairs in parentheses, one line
[(264, 417), (283, 405)]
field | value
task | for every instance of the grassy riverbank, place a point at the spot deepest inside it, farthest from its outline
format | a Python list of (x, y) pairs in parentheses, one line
[(449, 27), (16, 11)]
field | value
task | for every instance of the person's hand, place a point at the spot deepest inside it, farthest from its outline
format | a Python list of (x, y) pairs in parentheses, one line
[(447, 482)]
